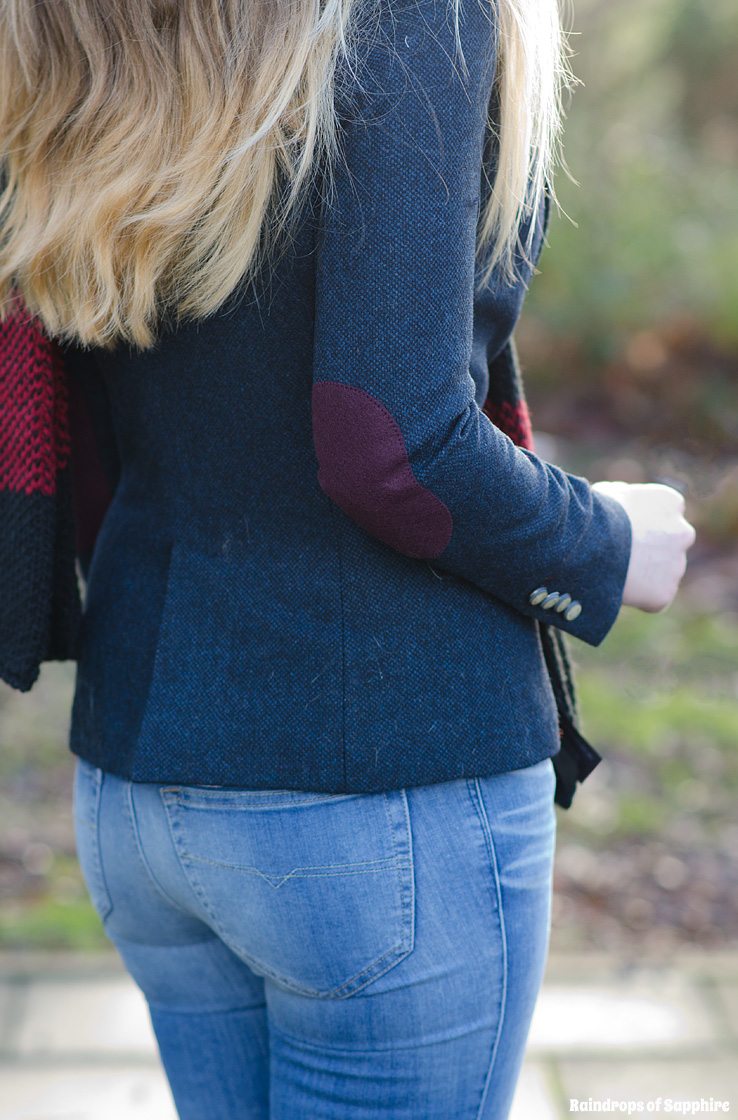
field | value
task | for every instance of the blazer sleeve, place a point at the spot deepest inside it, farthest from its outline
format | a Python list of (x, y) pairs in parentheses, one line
[(402, 446)]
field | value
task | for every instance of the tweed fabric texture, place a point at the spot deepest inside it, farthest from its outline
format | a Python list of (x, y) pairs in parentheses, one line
[(259, 611)]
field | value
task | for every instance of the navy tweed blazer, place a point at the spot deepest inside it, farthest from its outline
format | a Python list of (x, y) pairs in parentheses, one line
[(324, 566)]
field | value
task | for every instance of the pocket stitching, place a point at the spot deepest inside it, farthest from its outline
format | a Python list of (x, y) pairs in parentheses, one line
[(397, 862), (176, 794), (297, 872), (292, 985), (477, 799), (397, 949)]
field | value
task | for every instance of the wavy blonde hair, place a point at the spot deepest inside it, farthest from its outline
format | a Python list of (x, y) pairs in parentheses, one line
[(154, 150)]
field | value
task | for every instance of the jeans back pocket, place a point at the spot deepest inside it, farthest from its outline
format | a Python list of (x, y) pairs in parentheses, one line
[(313, 890)]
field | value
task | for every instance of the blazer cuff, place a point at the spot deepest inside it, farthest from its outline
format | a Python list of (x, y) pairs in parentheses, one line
[(585, 594)]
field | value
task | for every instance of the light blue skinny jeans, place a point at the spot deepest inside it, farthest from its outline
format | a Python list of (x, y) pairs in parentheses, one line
[(310, 956)]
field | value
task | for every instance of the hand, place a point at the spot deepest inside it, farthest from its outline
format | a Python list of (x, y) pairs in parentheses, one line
[(661, 537)]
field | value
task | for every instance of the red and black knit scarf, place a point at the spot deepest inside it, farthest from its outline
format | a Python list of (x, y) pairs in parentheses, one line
[(39, 596)]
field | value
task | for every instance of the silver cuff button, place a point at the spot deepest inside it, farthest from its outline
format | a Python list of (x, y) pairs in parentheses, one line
[(550, 601), (573, 612), (563, 603), (538, 596)]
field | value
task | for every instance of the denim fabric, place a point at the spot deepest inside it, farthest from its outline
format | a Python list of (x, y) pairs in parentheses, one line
[(329, 956), (241, 627)]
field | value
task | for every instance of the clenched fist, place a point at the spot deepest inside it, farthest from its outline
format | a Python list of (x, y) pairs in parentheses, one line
[(661, 537)]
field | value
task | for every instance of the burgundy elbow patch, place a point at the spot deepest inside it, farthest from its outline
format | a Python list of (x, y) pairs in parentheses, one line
[(364, 467)]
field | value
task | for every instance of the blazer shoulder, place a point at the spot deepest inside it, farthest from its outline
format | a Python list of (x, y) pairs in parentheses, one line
[(406, 46)]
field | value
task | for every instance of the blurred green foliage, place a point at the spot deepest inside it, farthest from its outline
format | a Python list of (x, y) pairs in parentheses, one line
[(629, 334), (646, 855), (43, 899), (50, 923), (659, 698), (652, 139)]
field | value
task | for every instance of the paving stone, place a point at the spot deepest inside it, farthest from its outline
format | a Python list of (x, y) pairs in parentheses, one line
[(709, 962), (594, 966), (51, 963), (85, 1017), (682, 1080), (728, 996), (643, 1010), (533, 1098), (6, 1001), (85, 1094)]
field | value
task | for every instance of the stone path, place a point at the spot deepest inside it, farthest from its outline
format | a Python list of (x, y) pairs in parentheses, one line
[(75, 1041)]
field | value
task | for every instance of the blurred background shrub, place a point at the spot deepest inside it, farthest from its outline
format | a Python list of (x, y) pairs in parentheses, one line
[(652, 140), (629, 341)]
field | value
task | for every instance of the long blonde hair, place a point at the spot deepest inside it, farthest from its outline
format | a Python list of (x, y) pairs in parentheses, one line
[(154, 150)]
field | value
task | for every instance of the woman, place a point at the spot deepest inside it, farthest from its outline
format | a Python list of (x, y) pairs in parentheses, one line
[(283, 245)]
